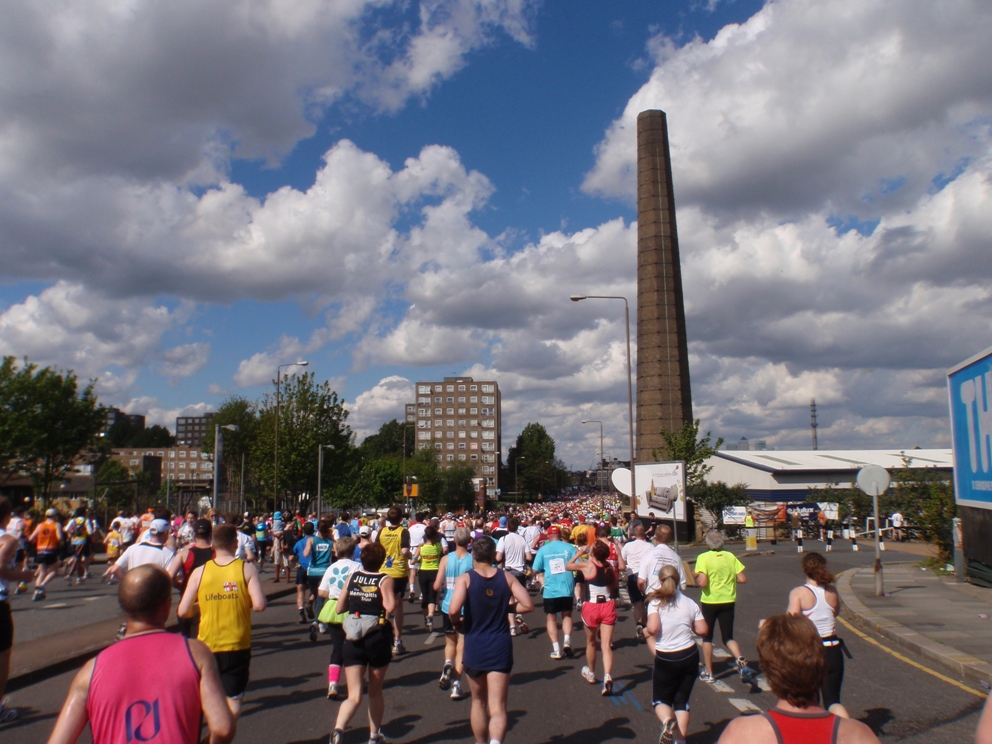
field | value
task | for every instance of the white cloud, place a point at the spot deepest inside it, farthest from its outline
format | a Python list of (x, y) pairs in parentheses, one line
[(384, 402), (183, 361), (156, 414)]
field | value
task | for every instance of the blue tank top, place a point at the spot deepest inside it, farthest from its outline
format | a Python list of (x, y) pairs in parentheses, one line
[(455, 567), (488, 645), (320, 556)]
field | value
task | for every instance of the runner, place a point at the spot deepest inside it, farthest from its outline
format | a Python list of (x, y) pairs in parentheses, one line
[(453, 565), (182, 681), (396, 540), (428, 554), (262, 539), (718, 572), (599, 613), (47, 538), (8, 572), (792, 657), (511, 551), (153, 551), (188, 559), (321, 552), (485, 592), (417, 528), (818, 600), (330, 589), (368, 598), (558, 587), (227, 590), (301, 552), (676, 658), (79, 538), (18, 527), (633, 553)]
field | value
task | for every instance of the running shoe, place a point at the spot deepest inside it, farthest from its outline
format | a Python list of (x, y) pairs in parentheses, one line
[(668, 732), (337, 736), (38, 595), (521, 625), (21, 588), (743, 669), (445, 682), (456, 690), (303, 617), (639, 632), (588, 675), (333, 691), (313, 632), (557, 655), (310, 610), (567, 650), (322, 627), (430, 623), (705, 676), (513, 630), (8, 714), (377, 739), (398, 647), (607, 685)]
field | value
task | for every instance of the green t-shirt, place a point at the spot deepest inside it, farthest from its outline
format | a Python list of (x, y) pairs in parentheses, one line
[(721, 568), (430, 556)]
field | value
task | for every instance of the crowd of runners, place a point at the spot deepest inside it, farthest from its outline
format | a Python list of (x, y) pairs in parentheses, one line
[(474, 577)]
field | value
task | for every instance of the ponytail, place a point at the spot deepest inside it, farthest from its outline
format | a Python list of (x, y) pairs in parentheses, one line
[(815, 568), (668, 576)]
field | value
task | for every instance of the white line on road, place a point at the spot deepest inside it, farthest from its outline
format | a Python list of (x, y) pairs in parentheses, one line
[(721, 686), (762, 683), (744, 706), (719, 653), (56, 606), (90, 599), (430, 639)]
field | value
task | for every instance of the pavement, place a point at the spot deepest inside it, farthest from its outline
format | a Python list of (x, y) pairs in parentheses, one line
[(939, 618)]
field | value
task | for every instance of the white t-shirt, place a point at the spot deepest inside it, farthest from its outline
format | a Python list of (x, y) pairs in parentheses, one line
[(142, 553), (514, 550), (633, 552), (15, 527), (529, 533), (245, 542), (126, 529), (416, 534), (336, 576), (897, 520), (677, 618), (652, 562)]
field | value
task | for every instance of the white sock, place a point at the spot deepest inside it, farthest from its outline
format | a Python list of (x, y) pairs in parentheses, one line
[(495, 741), (568, 640), (556, 647)]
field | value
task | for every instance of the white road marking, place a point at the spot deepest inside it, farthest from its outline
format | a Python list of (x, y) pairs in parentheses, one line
[(744, 706), (430, 639), (720, 686), (762, 683), (56, 606), (719, 653), (90, 599)]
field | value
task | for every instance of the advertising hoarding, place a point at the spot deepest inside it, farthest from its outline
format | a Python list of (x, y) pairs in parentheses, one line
[(660, 489), (969, 388)]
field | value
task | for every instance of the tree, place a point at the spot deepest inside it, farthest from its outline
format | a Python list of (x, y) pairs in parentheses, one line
[(123, 433), (387, 441), (686, 445), (715, 497), (375, 482), (928, 496), (531, 457), (113, 486), (310, 414), (47, 421)]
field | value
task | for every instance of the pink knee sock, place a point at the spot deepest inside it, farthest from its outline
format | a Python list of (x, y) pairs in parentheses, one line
[(333, 674)]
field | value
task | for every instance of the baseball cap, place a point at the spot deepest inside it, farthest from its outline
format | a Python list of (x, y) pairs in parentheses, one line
[(202, 528), (158, 527), (277, 515), (363, 530), (554, 530)]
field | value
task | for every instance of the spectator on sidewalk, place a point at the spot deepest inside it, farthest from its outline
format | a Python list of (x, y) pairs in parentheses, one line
[(791, 654), (8, 573)]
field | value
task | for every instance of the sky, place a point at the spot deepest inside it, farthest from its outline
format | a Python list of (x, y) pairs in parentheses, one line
[(402, 190)]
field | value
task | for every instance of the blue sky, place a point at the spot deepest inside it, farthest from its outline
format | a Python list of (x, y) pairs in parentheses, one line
[(399, 191)]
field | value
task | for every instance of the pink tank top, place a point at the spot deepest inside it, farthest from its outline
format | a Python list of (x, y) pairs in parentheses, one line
[(145, 689)]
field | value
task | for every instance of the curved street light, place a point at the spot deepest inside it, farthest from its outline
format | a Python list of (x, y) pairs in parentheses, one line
[(630, 386)]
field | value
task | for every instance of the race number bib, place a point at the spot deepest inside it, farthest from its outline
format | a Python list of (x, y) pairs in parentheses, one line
[(557, 566)]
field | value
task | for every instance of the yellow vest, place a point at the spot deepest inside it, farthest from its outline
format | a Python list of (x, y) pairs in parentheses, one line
[(749, 521), (392, 540), (225, 607)]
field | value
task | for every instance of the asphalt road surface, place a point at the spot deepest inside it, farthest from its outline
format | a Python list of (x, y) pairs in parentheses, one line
[(549, 701)]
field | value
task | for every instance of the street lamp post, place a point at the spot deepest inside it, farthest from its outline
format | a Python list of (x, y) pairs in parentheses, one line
[(516, 483), (630, 386), (275, 462), (594, 421), (217, 450), (320, 474)]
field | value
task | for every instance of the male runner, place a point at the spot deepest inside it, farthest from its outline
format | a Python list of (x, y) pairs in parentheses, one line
[(395, 538), (47, 538), (170, 682), (558, 587), (453, 565), (511, 551), (227, 590), (633, 553), (152, 551), (417, 527), (8, 572)]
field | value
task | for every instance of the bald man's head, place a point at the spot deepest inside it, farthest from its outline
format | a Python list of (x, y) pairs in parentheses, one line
[(663, 534), (146, 594)]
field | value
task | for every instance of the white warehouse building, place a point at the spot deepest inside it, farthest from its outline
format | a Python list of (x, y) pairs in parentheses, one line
[(787, 475)]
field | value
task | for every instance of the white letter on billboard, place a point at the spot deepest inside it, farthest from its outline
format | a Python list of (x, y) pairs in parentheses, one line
[(967, 392)]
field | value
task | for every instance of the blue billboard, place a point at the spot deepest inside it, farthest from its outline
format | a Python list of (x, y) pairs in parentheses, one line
[(969, 386)]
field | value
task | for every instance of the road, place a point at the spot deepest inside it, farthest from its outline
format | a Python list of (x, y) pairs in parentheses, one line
[(549, 702)]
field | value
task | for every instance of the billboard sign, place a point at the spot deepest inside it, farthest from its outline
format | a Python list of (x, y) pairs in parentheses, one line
[(660, 489), (969, 387), (734, 514)]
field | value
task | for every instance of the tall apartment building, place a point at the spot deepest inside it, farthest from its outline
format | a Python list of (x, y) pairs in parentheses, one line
[(112, 415), (460, 418), (190, 430), (182, 462)]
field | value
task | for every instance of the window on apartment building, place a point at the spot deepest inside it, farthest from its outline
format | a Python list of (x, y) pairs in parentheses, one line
[(438, 445), (488, 446), (473, 445), (488, 435), (135, 462), (461, 457), (437, 423), (488, 399), (451, 388), (423, 435), (473, 422), (182, 453), (461, 445), (424, 424), (182, 466), (473, 411), (438, 399), (182, 476), (423, 445), (488, 469), (488, 423), (461, 388), (423, 388), (451, 445), (473, 457), (461, 422), (411, 417), (488, 389), (461, 398), (172, 453), (450, 435), (461, 435), (451, 458), (438, 411), (192, 466), (424, 399), (461, 411), (438, 458), (449, 399), (473, 387)]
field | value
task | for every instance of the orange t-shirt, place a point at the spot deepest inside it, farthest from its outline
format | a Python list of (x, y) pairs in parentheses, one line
[(48, 536)]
